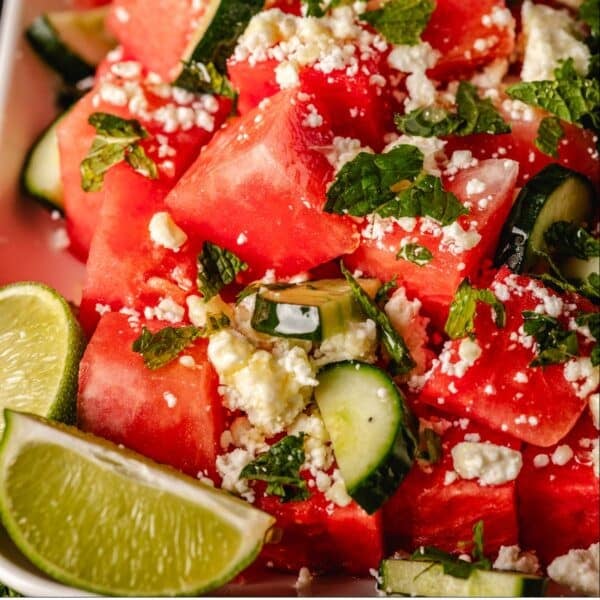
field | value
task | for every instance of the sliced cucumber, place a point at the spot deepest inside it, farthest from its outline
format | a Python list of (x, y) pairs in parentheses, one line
[(314, 310), (578, 268), (554, 194), (425, 578), (71, 42), (41, 176), (219, 27), (371, 430)]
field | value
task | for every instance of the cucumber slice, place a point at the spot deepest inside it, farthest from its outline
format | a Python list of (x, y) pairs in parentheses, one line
[(221, 24), (371, 430), (313, 311), (579, 269), (71, 42), (41, 176), (554, 194), (426, 578)]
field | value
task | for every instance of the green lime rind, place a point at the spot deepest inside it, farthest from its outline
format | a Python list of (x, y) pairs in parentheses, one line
[(41, 344), (106, 520)]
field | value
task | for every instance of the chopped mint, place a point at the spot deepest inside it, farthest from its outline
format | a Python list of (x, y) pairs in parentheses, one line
[(401, 21), (416, 254), (592, 321), (555, 344), (204, 78), (392, 340), (217, 267), (589, 13), (461, 319), (384, 291), (568, 239), (116, 140), (549, 134), (280, 468), (473, 115)]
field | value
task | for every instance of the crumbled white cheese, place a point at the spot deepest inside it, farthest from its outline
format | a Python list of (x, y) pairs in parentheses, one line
[(578, 570), (170, 399), (582, 375), (337, 493), (490, 464), (342, 151), (551, 35), (358, 342), (304, 580), (594, 403), (475, 186), (229, 467), (199, 309), (540, 461), (457, 240), (317, 448), (167, 310), (511, 558), (562, 455), (165, 232)]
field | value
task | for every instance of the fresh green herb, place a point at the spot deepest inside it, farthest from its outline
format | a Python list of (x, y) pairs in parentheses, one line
[(430, 446), (384, 291), (217, 267), (461, 318), (164, 346), (590, 287), (366, 182), (392, 340), (280, 468), (549, 134), (6, 592), (554, 343), (569, 96), (589, 13), (473, 115), (204, 78), (416, 254), (425, 198), (116, 140), (568, 239), (319, 8), (592, 322), (456, 566), (401, 21)]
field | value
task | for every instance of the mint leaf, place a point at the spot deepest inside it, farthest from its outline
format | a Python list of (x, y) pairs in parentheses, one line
[(6, 592), (568, 239), (461, 318), (426, 198), (592, 321), (570, 96), (392, 340), (217, 267), (365, 182), (116, 140), (589, 13), (473, 115), (319, 8), (477, 551), (204, 78), (416, 254), (384, 291), (280, 468), (590, 287), (554, 343), (160, 348), (401, 21), (549, 134)]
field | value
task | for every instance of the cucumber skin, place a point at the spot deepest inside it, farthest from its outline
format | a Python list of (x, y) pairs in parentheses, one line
[(44, 39), (513, 248), (383, 481)]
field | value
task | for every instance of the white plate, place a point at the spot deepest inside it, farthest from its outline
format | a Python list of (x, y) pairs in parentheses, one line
[(26, 253)]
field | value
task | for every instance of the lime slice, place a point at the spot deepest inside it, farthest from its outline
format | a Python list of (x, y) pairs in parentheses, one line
[(107, 520), (40, 347)]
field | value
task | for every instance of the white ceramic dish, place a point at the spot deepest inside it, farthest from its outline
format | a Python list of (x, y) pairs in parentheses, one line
[(27, 253)]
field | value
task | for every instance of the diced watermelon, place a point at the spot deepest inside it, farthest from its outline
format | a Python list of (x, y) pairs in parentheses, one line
[(436, 282), (126, 97), (258, 189), (576, 151), (501, 389), (173, 415), (468, 34), (323, 537), (125, 268), (559, 505), (434, 507)]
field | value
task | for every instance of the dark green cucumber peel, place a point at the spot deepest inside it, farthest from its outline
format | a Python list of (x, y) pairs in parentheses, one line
[(554, 194), (302, 322), (392, 443), (222, 24)]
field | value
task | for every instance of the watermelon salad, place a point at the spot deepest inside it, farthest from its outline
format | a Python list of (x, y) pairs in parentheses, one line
[(342, 262)]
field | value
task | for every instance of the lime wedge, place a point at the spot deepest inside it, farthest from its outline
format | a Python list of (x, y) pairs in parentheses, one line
[(40, 347), (107, 520)]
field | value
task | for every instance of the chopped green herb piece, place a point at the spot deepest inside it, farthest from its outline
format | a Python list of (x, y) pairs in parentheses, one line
[(217, 267), (384, 291), (280, 468), (589, 13), (116, 140), (319, 8), (401, 21), (6, 592), (205, 79), (592, 322), (473, 115), (568, 239), (554, 343), (416, 254), (392, 340), (590, 287), (550, 132), (461, 318), (365, 183)]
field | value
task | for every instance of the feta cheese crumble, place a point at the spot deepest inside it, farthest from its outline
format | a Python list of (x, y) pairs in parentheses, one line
[(511, 558), (490, 464), (579, 570), (165, 232)]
